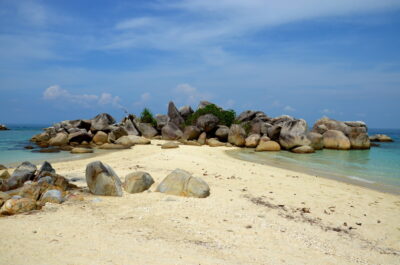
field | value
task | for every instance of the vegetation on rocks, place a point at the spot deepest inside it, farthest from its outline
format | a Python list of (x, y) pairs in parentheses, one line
[(147, 117), (226, 117)]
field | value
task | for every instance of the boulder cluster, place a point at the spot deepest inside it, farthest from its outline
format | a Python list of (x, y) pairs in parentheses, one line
[(29, 188), (81, 136), (252, 129), (3, 127), (102, 180)]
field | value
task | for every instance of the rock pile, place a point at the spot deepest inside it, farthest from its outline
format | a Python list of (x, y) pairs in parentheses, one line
[(29, 188), (3, 128), (209, 124)]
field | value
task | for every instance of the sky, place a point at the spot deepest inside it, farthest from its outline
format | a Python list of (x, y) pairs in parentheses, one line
[(70, 59)]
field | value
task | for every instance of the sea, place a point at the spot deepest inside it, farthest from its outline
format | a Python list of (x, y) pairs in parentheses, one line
[(378, 167), (14, 141)]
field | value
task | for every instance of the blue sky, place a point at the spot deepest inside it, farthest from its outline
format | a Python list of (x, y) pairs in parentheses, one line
[(306, 58)]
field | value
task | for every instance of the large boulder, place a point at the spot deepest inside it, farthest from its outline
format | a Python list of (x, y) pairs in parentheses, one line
[(191, 132), (130, 127), (380, 138), (161, 121), (100, 138), (102, 122), (324, 124), (334, 139), (102, 180), (18, 205), (264, 127), (130, 140), (293, 134), (181, 183), (116, 133), (358, 140), (246, 115), (138, 182), (222, 133), (147, 130), (41, 137), (174, 115), (185, 111), (274, 131), (171, 132), (203, 104), (316, 140), (24, 172), (252, 140), (79, 137), (237, 135), (59, 140), (207, 122)]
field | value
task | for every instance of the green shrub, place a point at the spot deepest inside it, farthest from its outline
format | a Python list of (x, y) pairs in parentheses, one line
[(226, 117), (147, 117)]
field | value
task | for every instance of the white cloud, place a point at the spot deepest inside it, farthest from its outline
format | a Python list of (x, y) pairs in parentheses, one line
[(135, 23), (55, 92), (211, 23), (143, 99), (188, 94), (327, 111), (289, 109)]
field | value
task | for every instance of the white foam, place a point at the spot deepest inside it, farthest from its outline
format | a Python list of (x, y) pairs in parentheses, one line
[(361, 179)]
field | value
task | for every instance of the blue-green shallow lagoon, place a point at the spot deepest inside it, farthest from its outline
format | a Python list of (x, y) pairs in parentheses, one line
[(377, 168), (12, 145)]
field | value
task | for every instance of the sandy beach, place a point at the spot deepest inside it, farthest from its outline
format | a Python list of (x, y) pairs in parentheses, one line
[(256, 214)]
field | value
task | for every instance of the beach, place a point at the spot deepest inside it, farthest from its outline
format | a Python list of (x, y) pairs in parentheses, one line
[(255, 214)]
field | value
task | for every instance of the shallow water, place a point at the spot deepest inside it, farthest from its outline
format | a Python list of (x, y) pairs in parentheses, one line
[(379, 165), (12, 145)]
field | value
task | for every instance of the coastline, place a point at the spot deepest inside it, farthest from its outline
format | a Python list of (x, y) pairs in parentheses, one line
[(381, 187), (256, 214)]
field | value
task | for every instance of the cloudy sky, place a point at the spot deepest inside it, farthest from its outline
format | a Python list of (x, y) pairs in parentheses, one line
[(306, 58)]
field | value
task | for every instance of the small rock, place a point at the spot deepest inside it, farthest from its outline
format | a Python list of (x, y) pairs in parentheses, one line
[(81, 150), (213, 142), (113, 146), (169, 145), (4, 174), (305, 149), (52, 196), (17, 205)]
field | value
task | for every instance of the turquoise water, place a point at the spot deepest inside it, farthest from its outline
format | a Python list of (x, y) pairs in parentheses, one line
[(377, 166), (12, 146)]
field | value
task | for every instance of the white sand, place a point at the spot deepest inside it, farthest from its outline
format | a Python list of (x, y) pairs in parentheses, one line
[(240, 223)]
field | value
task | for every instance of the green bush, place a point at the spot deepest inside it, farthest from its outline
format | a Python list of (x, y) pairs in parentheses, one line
[(226, 117), (147, 117)]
